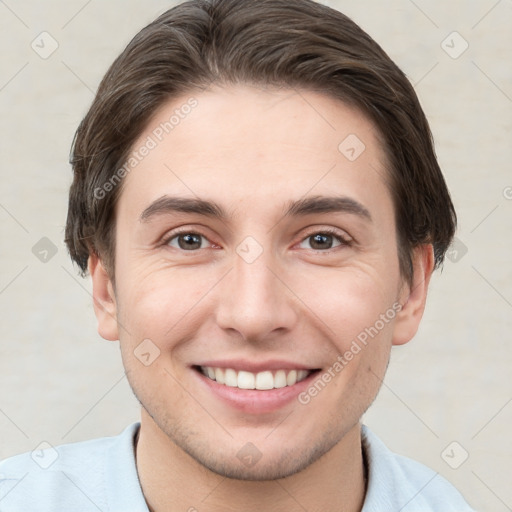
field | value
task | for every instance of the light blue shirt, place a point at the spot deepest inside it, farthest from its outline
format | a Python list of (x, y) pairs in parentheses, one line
[(101, 475)]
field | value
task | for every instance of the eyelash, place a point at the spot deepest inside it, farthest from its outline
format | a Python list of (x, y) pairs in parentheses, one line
[(344, 241)]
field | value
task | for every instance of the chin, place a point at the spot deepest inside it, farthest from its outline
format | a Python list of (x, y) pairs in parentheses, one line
[(281, 466), (248, 463)]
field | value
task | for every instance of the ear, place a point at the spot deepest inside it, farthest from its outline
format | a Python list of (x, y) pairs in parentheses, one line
[(104, 299), (413, 297)]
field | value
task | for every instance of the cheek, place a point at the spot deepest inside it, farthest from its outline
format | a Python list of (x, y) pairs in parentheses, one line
[(162, 304), (351, 302), (360, 312)]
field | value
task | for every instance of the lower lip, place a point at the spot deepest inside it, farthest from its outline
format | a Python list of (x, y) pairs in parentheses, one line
[(254, 401)]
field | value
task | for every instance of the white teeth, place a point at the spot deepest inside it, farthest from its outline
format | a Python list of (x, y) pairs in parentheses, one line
[(247, 380), (301, 375), (291, 378), (219, 376), (280, 379), (264, 380), (230, 378)]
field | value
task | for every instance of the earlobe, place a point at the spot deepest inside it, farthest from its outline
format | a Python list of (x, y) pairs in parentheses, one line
[(414, 297), (104, 301)]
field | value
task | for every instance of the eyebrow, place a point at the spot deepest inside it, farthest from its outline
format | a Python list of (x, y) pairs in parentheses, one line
[(307, 206), (170, 204), (327, 204)]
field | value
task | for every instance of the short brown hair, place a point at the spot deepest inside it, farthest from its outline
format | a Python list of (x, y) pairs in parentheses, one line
[(283, 43)]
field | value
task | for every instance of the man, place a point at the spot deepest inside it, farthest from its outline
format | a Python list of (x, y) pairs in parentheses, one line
[(257, 200)]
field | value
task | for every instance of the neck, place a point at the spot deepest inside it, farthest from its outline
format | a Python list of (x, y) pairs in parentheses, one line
[(172, 480)]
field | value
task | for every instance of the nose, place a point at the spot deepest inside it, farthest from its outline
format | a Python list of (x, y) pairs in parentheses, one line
[(255, 299)]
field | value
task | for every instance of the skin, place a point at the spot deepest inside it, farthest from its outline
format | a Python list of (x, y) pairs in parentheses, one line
[(252, 151)]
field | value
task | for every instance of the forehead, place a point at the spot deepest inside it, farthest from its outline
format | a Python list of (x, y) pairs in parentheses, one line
[(254, 147)]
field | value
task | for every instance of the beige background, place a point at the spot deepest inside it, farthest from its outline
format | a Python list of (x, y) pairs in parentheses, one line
[(60, 382)]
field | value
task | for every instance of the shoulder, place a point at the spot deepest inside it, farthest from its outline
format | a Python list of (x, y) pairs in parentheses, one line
[(71, 476), (396, 482)]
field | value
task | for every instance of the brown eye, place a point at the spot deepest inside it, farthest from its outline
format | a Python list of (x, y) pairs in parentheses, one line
[(321, 241), (186, 241), (325, 240)]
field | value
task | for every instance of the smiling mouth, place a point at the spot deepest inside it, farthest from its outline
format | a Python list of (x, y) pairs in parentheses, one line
[(264, 380)]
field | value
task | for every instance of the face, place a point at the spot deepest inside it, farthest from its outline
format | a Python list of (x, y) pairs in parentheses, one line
[(256, 257)]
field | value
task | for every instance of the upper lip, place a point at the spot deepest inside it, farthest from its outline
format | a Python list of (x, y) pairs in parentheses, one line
[(255, 366)]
